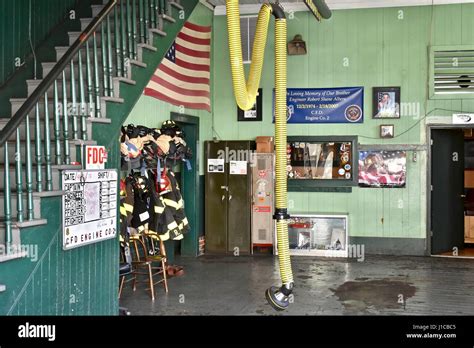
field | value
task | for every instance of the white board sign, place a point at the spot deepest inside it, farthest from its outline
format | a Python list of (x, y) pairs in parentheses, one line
[(96, 157), (215, 165), (238, 167), (463, 118), (89, 207)]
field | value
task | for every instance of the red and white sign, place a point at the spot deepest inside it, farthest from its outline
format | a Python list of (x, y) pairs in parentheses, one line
[(96, 157)]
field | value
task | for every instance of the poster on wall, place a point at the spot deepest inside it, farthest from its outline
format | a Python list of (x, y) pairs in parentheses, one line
[(382, 168), (215, 165), (89, 207), (325, 105)]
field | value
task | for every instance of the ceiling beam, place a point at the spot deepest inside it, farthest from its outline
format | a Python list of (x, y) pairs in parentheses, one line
[(345, 5)]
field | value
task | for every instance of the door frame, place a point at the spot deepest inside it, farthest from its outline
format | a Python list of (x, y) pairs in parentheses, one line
[(194, 121), (429, 168)]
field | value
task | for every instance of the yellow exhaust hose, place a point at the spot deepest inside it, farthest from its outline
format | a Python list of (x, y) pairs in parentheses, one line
[(245, 94)]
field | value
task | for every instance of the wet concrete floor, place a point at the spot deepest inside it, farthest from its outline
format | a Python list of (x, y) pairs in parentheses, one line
[(382, 285)]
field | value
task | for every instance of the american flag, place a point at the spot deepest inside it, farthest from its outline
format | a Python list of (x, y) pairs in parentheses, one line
[(183, 77)]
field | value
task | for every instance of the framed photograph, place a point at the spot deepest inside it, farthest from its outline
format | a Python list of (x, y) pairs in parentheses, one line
[(386, 102), (382, 169), (254, 114), (387, 131)]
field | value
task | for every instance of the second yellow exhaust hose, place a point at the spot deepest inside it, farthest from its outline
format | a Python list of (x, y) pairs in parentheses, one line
[(246, 93)]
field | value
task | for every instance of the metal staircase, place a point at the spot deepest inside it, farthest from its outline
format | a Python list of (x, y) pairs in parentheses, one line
[(49, 128)]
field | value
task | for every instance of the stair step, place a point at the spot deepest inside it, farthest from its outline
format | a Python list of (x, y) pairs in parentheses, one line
[(46, 194), (176, 5), (158, 32), (16, 103), (3, 122), (97, 8), (12, 150), (74, 35), (61, 50), (13, 204), (25, 223), (86, 21), (56, 176), (33, 84), (168, 18), (48, 66), (148, 47), (72, 150), (138, 63), (117, 82), (15, 239)]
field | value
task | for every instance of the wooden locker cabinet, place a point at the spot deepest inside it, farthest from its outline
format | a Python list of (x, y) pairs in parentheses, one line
[(227, 200)]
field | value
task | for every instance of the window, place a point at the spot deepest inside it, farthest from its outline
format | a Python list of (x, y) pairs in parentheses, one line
[(248, 25), (451, 72)]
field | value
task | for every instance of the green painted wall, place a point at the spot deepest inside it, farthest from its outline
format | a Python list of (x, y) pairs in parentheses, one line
[(57, 282), (384, 47), (15, 25), (151, 112), (83, 281)]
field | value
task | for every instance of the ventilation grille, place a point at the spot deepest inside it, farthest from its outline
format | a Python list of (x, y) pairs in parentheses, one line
[(248, 25), (453, 72), (262, 234)]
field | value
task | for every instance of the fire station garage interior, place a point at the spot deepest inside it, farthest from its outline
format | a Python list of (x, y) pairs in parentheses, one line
[(226, 157)]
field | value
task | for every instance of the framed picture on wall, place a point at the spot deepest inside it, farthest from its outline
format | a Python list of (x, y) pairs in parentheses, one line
[(387, 131), (254, 114), (386, 102), (382, 168)]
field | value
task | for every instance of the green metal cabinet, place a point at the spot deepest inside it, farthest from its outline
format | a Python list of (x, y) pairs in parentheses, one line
[(228, 197)]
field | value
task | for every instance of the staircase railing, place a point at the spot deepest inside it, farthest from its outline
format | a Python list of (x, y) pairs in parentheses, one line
[(131, 21)]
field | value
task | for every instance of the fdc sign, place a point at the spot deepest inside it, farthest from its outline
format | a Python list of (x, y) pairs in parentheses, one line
[(96, 156)]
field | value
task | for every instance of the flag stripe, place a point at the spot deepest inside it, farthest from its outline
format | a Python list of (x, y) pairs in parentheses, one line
[(156, 94), (196, 27), (180, 99), (191, 66), (193, 60), (194, 86), (191, 52), (196, 34), (185, 78), (186, 92), (187, 72), (194, 40), (196, 47)]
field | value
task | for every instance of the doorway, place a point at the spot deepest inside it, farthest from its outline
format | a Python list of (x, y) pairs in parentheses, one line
[(451, 192), (187, 175)]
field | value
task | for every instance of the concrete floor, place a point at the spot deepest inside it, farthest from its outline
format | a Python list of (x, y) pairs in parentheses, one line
[(215, 285)]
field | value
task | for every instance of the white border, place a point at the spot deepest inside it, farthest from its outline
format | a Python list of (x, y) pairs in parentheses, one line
[(345, 5)]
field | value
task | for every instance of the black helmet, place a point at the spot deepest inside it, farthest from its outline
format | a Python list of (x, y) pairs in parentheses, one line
[(170, 128)]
